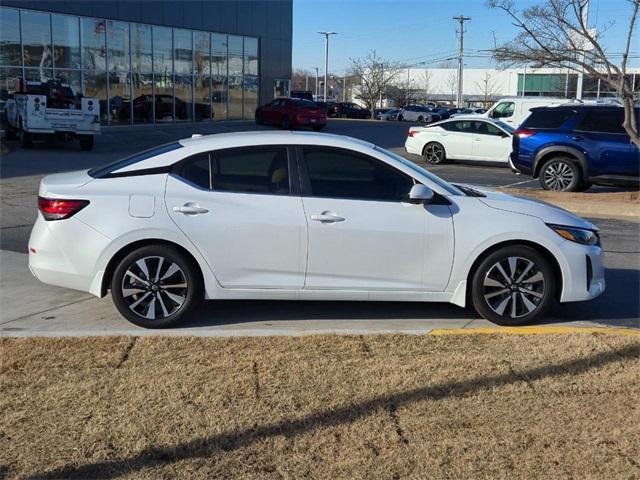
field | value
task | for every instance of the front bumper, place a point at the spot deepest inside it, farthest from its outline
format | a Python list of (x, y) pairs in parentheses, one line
[(583, 278)]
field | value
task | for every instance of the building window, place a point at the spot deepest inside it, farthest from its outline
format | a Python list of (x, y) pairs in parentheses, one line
[(202, 76), (142, 74), (251, 83), (219, 76), (182, 61), (36, 39), (10, 53), (94, 49), (235, 77), (66, 41)]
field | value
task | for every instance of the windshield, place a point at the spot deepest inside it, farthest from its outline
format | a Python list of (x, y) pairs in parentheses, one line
[(505, 126), (437, 180)]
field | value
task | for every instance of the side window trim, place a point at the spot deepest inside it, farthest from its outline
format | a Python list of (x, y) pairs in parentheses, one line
[(305, 181)]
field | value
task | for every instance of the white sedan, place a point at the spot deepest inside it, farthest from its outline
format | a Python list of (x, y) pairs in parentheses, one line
[(302, 216), (461, 138)]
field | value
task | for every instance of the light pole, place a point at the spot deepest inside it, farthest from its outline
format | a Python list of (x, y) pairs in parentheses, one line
[(316, 68), (326, 59)]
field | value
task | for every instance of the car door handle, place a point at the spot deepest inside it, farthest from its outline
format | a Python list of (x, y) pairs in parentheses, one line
[(190, 209), (577, 137), (327, 217)]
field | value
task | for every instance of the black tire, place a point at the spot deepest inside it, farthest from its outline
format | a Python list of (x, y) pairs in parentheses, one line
[(400, 118), (285, 123), (318, 128), (434, 153), (26, 140), (259, 120), (12, 133), (533, 289), (561, 174), (86, 142), (135, 307), (421, 119)]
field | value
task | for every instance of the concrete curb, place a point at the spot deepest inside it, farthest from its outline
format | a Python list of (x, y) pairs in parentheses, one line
[(543, 330)]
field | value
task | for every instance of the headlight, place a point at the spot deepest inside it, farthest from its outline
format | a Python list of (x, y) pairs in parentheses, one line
[(578, 235)]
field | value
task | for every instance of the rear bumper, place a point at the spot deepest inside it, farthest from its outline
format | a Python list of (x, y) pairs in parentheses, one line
[(518, 167)]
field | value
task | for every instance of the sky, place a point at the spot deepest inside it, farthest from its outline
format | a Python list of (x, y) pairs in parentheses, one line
[(411, 31)]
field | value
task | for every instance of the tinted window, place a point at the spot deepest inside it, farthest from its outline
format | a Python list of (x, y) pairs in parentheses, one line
[(251, 170), (504, 110), (196, 170), (343, 174), (459, 126), (603, 120), (547, 118), (138, 157), (486, 128), (304, 104)]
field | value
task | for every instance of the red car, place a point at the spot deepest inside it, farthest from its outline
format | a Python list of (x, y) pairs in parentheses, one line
[(290, 113)]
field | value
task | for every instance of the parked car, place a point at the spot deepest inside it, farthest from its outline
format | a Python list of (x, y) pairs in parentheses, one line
[(326, 106), (461, 138), (349, 110), (572, 146), (440, 113), (459, 111), (274, 215), (388, 115), (292, 113), (416, 113), (144, 106), (513, 110)]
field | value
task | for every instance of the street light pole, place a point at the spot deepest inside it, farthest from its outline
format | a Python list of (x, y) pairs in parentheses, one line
[(326, 59), (316, 81)]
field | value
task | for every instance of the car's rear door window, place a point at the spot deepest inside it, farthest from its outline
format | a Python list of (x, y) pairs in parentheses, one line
[(196, 170), (339, 173), (262, 170), (548, 118), (604, 120)]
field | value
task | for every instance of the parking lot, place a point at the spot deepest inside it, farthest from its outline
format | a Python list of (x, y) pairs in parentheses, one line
[(30, 307)]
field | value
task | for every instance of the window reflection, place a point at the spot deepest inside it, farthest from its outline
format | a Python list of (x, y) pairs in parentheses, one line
[(10, 53), (202, 76), (94, 51), (36, 39), (251, 83), (219, 75), (182, 62), (235, 77), (66, 41)]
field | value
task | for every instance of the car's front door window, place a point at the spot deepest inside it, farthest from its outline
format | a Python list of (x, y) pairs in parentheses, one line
[(338, 173), (504, 110)]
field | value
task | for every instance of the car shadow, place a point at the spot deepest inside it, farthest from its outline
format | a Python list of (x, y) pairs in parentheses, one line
[(619, 306), (229, 312)]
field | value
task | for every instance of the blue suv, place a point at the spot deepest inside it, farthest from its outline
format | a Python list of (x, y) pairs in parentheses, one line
[(571, 147)]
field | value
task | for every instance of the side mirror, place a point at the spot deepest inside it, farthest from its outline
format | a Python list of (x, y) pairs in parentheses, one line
[(420, 194)]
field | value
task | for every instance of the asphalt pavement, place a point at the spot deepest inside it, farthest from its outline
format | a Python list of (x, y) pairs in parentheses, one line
[(32, 308)]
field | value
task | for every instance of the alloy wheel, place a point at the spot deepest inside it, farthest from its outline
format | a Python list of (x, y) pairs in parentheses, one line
[(434, 153), (154, 287), (514, 286), (558, 176)]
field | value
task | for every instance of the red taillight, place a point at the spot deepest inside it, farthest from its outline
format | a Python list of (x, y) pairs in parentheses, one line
[(412, 133), (60, 208), (524, 133)]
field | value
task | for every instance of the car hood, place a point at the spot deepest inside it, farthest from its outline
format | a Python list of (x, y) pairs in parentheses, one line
[(528, 206)]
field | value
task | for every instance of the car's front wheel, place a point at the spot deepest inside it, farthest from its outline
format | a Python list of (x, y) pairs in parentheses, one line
[(156, 286), (562, 175), (513, 286)]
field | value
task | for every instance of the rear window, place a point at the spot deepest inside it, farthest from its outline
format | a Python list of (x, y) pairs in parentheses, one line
[(304, 104), (547, 118), (135, 158)]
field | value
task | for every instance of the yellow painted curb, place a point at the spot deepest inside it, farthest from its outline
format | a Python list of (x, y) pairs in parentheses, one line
[(626, 332)]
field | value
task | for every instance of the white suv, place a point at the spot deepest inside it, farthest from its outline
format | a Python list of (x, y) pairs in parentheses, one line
[(416, 113)]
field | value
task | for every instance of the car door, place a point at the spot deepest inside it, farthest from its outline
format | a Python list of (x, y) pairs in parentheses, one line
[(457, 139), (490, 143), (602, 136), (362, 233), (241, 210)]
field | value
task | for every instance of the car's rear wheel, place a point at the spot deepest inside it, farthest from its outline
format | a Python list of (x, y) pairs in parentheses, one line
[(400, 118), (513, 286), (156, 286), (434, 153), (285, 123), (318, 128), (561, 174), (421, 119)]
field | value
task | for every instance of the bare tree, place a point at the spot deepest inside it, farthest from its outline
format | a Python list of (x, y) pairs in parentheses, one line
[(555, 34), (487, 87), (425, 84), (299, 79), (375, 75), (451, 84), (402, 90)]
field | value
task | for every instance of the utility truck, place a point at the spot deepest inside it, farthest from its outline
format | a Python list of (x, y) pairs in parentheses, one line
[(40, 110)]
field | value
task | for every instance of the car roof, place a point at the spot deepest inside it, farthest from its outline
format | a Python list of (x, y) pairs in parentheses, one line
[(218, 141)]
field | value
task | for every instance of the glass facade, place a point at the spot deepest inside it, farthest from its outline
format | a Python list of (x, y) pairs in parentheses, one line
[(140, 73)]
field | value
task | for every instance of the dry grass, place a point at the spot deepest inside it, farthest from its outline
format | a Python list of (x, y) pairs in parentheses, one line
[(373, 407)]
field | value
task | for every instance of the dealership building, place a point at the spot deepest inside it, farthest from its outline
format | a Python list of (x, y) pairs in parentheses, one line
[(152, 61)]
